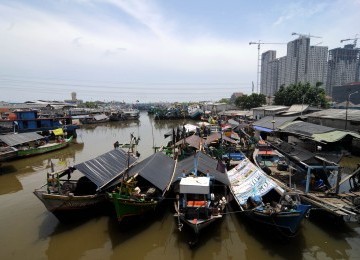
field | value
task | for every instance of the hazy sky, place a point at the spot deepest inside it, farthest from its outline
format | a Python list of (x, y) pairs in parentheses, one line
[(160, 50)]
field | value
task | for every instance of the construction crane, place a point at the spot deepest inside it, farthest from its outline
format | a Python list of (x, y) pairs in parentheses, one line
[(305, 35), (355, 40), (259, 58)]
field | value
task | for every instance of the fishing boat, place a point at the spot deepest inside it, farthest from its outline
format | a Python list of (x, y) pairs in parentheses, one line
[(62, 195), (30, 144), (7, 153), (195, 112), (317, 180), (269, 159), (131, 114), (201, 192), (94, 119), (143, 187), (116, 116), (264, 201), (23, 121)]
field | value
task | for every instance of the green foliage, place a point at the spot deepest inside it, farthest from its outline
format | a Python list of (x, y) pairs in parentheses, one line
[(248, 102), (301, 94), (91, 104), (224, 100)]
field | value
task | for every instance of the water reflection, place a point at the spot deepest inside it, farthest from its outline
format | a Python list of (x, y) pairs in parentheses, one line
[(31, 231), (8, 182), (74, 240)]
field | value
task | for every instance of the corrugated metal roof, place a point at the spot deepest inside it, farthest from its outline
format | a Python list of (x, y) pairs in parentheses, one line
[(267, 122), (106, 167), (296, 153), (16, 139), (271, 108), (205, 164), (353, 114), (298, 108), (304, 128), (333, 136)]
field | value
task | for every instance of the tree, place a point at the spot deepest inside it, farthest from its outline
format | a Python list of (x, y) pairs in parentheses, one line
[(300, 93), (90, 104), (248, 102), (224, 100)]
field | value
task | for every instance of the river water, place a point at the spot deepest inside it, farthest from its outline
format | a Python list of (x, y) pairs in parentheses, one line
[(29, 231)]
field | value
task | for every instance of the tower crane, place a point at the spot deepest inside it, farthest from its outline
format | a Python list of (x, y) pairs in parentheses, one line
[(305, 35), (259, 58), (355, 40)]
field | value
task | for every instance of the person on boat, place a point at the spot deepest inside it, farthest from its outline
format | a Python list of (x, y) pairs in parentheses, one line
[(116, 145)]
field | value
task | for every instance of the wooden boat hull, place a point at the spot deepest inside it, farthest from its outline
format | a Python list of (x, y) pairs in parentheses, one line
[(68, 203), (198, 224), (126, 206), (43, 149), (286, 222), (8, 154), (92, 122)]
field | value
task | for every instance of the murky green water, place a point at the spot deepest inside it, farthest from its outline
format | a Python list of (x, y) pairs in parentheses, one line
[(29, 231)]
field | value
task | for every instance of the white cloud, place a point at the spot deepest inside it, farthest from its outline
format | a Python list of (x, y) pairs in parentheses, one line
[(299, 10), (136, 41)]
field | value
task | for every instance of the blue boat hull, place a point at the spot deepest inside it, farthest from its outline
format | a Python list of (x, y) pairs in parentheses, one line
[(286, 222)]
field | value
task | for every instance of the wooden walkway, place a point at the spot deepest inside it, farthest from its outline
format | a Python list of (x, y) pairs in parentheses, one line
[(339, 205)]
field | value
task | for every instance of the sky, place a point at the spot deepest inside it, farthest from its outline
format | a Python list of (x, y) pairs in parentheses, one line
[(154, 50)]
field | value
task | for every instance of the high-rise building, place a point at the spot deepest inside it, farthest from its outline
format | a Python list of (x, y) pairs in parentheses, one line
[(267, 70), (317, 65), (343, 67), (297, 60), (303, 63), (281, 72)]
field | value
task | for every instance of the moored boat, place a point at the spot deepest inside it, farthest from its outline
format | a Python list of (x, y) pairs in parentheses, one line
[(195, 112), (131, 114), (201, 192), (7, 153), (30, 144), (142, 188), (264, 201), (62, 195), (317, 180), (24, 121), (95, 119)]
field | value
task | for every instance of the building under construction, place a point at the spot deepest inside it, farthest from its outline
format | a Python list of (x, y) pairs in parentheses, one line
[(343, 67)]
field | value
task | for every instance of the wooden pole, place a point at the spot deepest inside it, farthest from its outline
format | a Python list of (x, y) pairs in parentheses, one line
[(308, 180), (337, 187)]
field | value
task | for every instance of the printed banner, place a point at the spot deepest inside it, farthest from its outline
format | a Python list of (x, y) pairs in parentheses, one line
[(247, 180)]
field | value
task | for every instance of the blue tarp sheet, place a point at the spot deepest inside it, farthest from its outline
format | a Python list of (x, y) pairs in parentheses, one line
[(263, 129)]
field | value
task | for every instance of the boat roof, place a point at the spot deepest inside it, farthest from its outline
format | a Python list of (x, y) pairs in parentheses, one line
[(193, 141), (100, 117), (216, 136), (157, 169), (16, 139), (205, 164), (106, 167)]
